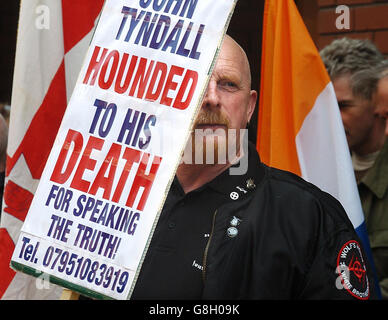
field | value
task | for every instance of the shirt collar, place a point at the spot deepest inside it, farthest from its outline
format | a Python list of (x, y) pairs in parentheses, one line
[(235, 187)]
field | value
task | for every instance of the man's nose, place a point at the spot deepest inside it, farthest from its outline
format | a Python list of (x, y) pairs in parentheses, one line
[(212, 98)]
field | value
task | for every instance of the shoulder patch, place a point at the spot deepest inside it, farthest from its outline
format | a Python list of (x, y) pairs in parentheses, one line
[(352, 270)]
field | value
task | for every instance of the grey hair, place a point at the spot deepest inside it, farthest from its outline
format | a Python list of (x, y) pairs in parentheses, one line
[(383, 69), (348, 56), (364, 82)]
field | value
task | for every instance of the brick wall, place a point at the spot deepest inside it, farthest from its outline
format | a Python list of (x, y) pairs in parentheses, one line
[(368, 20)]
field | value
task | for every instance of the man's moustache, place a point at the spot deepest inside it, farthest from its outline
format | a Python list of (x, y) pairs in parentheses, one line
[(211, 118)]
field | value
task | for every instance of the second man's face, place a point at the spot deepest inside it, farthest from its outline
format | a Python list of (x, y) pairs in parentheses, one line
[(357, 114), (382, 101)]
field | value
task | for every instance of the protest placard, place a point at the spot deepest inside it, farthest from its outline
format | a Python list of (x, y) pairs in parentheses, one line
[(120, 142)]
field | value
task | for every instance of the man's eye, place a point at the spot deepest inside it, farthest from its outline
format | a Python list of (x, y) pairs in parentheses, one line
[(343, 105), (228, 85)]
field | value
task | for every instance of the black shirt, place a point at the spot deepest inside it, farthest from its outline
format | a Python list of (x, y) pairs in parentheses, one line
[(173, 266)]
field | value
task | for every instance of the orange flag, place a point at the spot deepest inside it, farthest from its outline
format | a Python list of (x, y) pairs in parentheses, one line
[(299, 127), (292, 78)]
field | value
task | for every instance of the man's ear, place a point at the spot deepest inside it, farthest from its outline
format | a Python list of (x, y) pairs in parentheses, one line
[(251, 104)]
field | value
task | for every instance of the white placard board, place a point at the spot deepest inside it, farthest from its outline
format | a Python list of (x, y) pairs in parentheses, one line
[(120, 142)]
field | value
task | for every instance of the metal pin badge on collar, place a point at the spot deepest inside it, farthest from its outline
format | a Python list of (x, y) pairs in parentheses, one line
[(234, 195), (251, 184), (241, 189)]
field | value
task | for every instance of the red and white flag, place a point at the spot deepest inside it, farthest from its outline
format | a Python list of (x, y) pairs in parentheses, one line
[(53, 37)]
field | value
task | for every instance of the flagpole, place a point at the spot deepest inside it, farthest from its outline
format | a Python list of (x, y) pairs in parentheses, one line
[(69, 295)]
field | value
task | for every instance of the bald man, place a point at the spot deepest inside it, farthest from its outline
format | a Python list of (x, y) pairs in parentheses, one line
[(264, 234)]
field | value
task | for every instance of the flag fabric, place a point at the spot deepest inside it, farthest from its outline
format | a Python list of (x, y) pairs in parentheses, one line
[(299, 126), (53, 37)]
